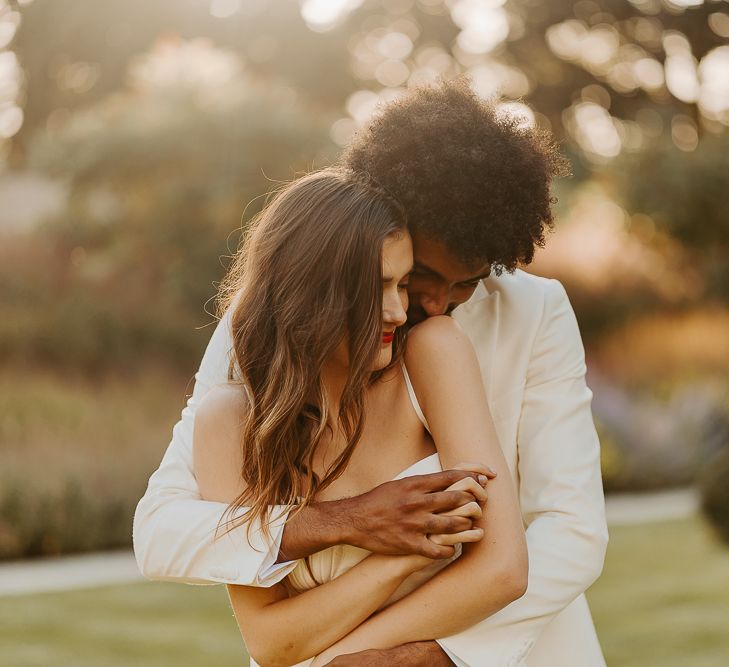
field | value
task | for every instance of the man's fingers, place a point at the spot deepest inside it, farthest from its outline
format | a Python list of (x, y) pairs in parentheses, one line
[(437, 481), (481, 468), (444, 523), (444, 501), (472, 486)]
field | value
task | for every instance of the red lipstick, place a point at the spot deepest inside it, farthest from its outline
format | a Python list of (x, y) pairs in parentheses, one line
[(387, 338)]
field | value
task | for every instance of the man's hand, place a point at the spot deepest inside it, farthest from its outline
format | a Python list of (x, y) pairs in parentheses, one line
[(394, 518), (417, 654), (397, 517)]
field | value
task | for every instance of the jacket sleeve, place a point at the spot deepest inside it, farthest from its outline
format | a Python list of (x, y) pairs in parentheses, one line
[(174, 528), (560, 492)]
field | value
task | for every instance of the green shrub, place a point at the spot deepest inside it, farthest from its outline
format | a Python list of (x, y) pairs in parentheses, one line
[(687, 196), (715, 493), (40, 522), (76, 454)]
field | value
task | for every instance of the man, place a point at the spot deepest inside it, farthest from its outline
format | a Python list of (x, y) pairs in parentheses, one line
[(476, 189)]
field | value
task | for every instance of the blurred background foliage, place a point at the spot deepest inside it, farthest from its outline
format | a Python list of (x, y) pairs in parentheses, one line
[(137, 138)]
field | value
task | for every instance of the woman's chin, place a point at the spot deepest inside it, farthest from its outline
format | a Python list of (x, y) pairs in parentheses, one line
[(384, 358)]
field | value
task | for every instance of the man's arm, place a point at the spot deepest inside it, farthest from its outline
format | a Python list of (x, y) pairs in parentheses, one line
[(174, 528), (394, 518), (414, 654)]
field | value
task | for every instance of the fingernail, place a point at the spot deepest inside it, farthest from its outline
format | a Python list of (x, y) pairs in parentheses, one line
[(492, 471), (482, 480)]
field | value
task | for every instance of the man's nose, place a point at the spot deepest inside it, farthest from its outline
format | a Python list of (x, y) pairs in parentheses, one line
[(435, 304)]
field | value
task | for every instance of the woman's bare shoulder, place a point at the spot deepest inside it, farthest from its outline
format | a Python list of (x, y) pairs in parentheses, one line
[(440, 360), (438, 339)]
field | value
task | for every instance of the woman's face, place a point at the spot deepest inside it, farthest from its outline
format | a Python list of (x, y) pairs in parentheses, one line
[(397, 262)]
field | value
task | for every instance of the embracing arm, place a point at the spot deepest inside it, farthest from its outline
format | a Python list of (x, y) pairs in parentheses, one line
[(445, 372), (174, 527), (278, 629)]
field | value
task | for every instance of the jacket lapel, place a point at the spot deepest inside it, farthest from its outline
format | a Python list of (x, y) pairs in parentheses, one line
[(479, 317)]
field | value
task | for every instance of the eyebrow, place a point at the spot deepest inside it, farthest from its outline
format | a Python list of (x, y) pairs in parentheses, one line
[(387, 279), (425, 267)]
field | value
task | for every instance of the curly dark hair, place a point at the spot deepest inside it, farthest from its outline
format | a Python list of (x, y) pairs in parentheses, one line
[(468, 177)]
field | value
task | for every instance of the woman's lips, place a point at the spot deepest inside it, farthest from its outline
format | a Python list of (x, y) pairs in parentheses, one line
[(387, 338)]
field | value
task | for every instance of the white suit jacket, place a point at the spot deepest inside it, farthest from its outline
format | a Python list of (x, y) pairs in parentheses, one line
[(533, 366)]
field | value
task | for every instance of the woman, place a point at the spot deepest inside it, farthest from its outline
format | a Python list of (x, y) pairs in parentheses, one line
[(328, 404)]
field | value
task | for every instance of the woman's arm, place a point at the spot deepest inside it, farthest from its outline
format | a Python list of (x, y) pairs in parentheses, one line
[(491, 573), (278, 629)]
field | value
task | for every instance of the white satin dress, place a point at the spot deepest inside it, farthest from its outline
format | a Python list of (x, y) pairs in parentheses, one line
[(326, 565)]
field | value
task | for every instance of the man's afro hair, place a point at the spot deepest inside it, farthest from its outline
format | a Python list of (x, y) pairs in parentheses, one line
[(469, 177)]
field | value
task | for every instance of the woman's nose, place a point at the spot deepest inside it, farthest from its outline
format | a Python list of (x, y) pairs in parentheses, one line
[(395, 312)]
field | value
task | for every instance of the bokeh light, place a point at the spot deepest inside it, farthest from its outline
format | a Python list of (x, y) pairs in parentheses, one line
[(323, 15)]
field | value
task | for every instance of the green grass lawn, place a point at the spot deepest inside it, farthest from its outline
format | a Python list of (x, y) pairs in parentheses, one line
[(139, 625), (663, 600)]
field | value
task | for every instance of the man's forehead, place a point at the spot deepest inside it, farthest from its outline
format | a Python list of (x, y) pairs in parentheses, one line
[(453, 274), (448, 268), (435, 257)]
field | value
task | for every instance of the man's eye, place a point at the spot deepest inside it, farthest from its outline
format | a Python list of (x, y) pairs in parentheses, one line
[(472, 285)]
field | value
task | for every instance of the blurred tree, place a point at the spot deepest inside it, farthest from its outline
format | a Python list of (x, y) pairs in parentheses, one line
[(76, 52), (159, 175), (686, 194), (608, 74)]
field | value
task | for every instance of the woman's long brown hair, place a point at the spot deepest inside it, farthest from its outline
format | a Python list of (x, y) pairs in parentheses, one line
[(307, 276)]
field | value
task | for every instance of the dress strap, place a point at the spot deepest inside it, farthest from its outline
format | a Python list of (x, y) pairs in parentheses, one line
[(414, 398)]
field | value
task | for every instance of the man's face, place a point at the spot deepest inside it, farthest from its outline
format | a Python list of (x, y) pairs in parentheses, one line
[(439, 282)]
